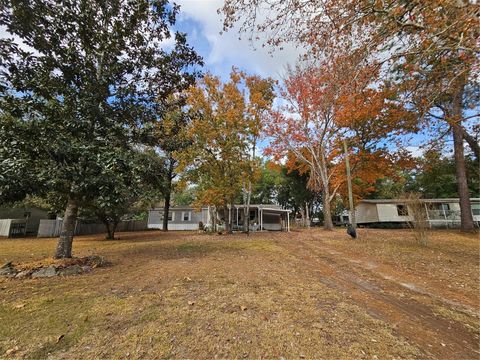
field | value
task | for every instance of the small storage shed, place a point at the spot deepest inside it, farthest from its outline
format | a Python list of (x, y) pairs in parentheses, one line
[(21, 221)]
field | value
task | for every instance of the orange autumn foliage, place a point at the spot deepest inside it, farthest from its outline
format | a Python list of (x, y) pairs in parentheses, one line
[(367, 117)]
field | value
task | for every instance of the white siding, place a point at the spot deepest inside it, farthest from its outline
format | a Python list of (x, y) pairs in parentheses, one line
[(49, 228), (454, 206), (366, 213), (5, 227), (389, 213), (272, 227), (175, 226), (476, 206)]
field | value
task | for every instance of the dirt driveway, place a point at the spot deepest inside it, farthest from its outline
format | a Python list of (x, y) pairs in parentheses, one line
[(442, 325), (305, 294)]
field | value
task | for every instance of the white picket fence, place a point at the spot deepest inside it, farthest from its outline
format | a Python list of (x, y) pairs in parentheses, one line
[(52, 228)]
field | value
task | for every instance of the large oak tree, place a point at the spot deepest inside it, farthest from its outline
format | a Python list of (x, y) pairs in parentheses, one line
[(85, 76)]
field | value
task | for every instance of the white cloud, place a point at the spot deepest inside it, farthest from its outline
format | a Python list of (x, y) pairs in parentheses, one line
[(227, 50), (4, 34), (415, 151)]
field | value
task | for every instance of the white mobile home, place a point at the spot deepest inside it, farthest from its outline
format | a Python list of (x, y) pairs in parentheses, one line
[(262, 217), (440, 212), (179, 218)]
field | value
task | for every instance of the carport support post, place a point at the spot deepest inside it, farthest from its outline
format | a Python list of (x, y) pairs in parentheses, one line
[(288, 221), (428, 216), (349, 183), (208, 215), (261, 219)]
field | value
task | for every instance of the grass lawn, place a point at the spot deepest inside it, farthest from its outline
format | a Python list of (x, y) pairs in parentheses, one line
[(304, 294)]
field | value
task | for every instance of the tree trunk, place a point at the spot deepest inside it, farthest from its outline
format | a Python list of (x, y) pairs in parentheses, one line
[(230, 220), (226, 220), (247, 196), (167, 195), (114, 228), (109, 230), (231, 214), (166, 209), (307, 215), (64, 246), (214, 218), (246, 223), (111, 227), (246, 209), (327, 214), (466, 218)]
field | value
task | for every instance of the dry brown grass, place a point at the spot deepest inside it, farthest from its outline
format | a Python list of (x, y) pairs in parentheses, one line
[(183, 295), (449, 265)]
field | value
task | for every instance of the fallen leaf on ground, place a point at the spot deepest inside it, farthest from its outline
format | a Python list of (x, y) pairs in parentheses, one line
[(11, 351)]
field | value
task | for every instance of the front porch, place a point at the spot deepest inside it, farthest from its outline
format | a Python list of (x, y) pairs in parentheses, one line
[(261, 218)]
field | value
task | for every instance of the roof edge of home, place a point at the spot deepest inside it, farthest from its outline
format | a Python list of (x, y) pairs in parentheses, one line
[(264, 206), (373, 201)]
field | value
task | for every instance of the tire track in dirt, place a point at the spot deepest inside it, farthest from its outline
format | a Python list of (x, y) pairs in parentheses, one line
[(436, 336)]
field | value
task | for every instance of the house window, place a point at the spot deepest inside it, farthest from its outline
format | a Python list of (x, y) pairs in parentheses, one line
[(170, 216), (402, 210), (441, 207), (186, 216), (475, 209)]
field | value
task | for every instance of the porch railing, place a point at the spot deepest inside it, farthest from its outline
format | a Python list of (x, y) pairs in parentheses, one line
[(443, 215)]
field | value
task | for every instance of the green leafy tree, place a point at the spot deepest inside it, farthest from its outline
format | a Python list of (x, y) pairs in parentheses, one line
[(436, 177), (265, 188), (433, 177), (127, 186), (293, 192), (169, 138), (184, 196), (94, 73)]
